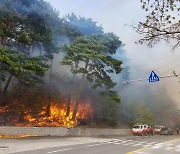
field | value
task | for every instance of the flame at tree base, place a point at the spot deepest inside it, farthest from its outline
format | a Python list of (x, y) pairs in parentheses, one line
[(58, 116)]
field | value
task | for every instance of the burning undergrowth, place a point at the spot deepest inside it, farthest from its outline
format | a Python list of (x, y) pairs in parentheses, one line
[(58, 115), (53, 114)]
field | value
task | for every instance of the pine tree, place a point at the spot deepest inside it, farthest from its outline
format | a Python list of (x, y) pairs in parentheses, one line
[(90, 57)]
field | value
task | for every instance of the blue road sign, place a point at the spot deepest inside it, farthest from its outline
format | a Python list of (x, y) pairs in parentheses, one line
[(153, 77)]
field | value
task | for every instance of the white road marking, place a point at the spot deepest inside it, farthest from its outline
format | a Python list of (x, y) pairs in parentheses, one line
[(178, 146), (91, 145), (60, 150), (135, 141), (159, 143), (115, 141), (129, 143), (168, 148), (141, 142), (3, 148), (146, 145), (126, 142), (146, 141), (137, 144), (109, 142), (121, 142), (157, 147), (152, 142), (149, 144), (168, 145), (143, 152), (105, 140)]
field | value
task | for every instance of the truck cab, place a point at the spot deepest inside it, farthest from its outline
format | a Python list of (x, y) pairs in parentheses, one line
[(140, 129)]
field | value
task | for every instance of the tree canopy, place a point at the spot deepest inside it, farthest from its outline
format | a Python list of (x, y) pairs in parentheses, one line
[(23, 23), (142, 114), (90, 56), (82, 26), (19, 65), (162, 22)]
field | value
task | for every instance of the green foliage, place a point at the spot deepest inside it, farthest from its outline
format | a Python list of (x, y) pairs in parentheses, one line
[(110, 40), (142, 114), (91, 57), (25, 24), (24, 38), (82, 26), (110, 101), (22, 67), (109, 110), (110, 96)]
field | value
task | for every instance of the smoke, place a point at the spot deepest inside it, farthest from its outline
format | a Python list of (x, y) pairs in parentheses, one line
[(154, 96)]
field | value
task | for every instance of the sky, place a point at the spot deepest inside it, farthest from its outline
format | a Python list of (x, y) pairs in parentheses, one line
[(117, 16)]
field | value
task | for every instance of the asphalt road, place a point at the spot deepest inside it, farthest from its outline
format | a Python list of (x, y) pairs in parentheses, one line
[(114, 145)]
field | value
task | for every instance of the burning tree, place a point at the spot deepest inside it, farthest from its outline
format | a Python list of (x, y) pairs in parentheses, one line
[(89, 56)]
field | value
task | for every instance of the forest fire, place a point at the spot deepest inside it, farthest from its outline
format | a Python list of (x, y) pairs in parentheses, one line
[(58, 116)]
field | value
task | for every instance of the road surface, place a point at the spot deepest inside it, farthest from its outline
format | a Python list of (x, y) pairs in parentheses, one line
[(86, 145)]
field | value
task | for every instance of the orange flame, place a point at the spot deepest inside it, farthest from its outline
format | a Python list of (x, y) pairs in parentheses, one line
[(58, 117)]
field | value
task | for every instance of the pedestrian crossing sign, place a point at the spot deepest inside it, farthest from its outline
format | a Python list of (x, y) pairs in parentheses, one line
[(153, 77)]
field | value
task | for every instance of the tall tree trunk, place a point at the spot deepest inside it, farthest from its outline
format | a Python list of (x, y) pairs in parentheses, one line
[(5, 89), (75, 109), (68, 105), (80, 91), (48, 109), (50, 91)]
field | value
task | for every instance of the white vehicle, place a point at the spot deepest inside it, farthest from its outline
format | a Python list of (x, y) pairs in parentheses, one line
[(157, 129), (139, 129)]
